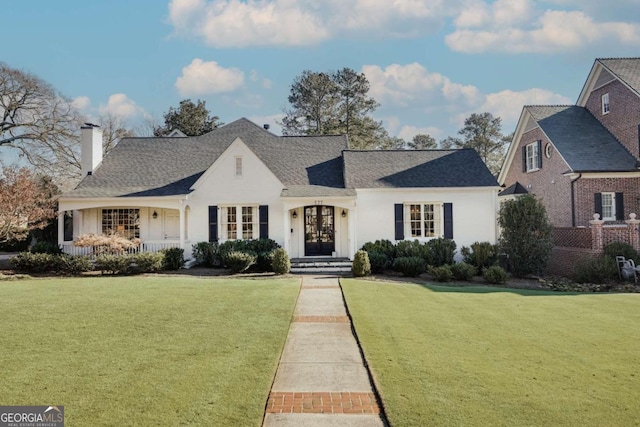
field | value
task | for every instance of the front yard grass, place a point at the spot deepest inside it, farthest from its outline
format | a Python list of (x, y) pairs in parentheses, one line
[(486, 356), (144, 350)]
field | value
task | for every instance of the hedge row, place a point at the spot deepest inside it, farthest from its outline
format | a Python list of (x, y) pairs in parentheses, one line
[(257, 256)]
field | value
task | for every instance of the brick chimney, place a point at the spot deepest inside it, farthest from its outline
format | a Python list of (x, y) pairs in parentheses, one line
[(91, 138)]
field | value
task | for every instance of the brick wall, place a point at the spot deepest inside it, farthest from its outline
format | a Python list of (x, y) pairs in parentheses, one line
[(624, 114), (547, 183), (585, 188), (563, 261), (572, 237)]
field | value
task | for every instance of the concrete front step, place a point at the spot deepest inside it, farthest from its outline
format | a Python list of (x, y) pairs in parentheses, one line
[(320, 265), (320, 270)]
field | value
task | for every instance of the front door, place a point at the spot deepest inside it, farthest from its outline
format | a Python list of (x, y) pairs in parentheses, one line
[(319, 231)]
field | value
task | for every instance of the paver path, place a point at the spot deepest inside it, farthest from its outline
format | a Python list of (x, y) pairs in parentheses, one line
[(321, 379)]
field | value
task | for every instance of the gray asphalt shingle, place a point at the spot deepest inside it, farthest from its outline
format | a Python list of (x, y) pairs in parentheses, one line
[(584, 143), (626, 69)]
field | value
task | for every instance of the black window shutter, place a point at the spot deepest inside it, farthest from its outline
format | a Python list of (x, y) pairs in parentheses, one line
[(620, 206), (264, 221), (213, 223), (67, 219), (539, 154), (524, 158), (399, 209), (597, 204), (448, 220)]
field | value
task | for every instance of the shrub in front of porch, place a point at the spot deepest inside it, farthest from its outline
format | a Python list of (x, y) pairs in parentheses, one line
[(173, 258), (262, 249), (238, 262), (28, 262), (281, 264), (207, 254), (110, 244)]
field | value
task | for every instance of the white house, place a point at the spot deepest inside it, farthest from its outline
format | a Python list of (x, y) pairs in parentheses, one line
[(311, 194)]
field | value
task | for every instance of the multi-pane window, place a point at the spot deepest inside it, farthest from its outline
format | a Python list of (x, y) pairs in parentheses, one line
[(605, 103), (123, 222), (239, 222), (247, 222), (608, 206), (425, 219), (238, 166), (533, 154)]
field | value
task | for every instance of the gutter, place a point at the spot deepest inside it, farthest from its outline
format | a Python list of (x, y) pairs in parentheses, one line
[(573, 200)]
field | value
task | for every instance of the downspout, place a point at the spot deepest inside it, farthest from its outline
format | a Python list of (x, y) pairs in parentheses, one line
[(573, 200)]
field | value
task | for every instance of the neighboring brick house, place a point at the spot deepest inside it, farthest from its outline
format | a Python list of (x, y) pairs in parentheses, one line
[(582, 159)]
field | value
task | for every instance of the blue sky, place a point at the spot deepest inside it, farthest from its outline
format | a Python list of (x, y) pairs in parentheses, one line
[(430, 63)]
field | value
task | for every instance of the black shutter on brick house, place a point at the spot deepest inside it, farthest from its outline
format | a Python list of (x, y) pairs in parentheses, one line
[(213, 223), (448, 220), (539, 154), (524, 158), (597, 204), (264, 221), (619, 206), (399, 221)]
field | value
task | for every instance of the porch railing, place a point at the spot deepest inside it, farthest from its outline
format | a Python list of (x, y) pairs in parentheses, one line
[(92, 251)]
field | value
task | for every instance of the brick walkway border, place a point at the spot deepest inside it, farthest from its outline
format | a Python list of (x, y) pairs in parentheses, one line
[(321, 319), (322, 403)]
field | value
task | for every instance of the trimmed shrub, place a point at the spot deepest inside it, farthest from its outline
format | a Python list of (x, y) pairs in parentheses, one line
[(385, 247), (113, 264), (378, 261), (442, 273), (262, 249), (207, 254), (612, 250), (75, 264), (280, 263), (146, 262), (526, 235), (441, 251), (480, 255), (599, 270), (463, 271), (410, 266), (238, 262), (410, 248), (111, 244), (46, 248), (495, 275), (173, 258), (361, 266)]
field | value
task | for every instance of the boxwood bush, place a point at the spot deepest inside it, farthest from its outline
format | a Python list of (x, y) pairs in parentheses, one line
[(441, 274), (440, 251), (207, 254), (495, 275), (173, 258), (480, 255), (238, 262), (411, 266), (361, 266), (463, 271), (280, 263)]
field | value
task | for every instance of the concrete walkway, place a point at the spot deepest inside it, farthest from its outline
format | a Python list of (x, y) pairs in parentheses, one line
[(321, 379)]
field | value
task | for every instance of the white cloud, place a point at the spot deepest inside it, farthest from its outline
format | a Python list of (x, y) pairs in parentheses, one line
[(81, 103), (235, 23), (122, 106), (514, 26), (413, 84), (206, 78)]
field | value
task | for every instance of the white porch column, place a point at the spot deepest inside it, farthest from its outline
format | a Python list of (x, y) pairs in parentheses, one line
[(353, 235), (182, 223), (287, 229), (60, 227)]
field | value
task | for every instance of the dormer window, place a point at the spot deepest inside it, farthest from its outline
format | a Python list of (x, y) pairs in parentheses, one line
[(238, 167), (605, 103)]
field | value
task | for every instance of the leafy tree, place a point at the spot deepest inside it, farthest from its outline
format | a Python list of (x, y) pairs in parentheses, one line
[(526, 235), (483, 133), (390, 143), (333, 103), (450, 142), (39, 122), (191, 119), (26, 203), (422, 142)]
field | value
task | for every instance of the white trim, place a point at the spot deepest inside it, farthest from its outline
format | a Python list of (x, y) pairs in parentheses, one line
[(589, 85), (438, 220), (535, 156), (611, 194), (600, 175)]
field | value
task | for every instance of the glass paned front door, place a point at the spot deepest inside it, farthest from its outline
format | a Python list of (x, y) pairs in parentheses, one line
[(319, 230)]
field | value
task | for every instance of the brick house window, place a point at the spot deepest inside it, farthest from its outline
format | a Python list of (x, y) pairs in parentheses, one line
[(605, 103), (608, 206), (532, 158)]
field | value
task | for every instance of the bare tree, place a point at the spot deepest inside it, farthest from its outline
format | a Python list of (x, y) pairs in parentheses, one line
[(26, 203), (114, 128), (40, 123)]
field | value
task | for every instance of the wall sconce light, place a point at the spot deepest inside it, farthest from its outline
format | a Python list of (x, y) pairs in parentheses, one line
[(295, 214), (155, 215), (344, 213)]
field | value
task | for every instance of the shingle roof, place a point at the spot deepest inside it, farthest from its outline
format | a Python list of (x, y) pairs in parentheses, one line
[(585, 144), (626, 69), (513, 189), (416, 168), (170, 166)]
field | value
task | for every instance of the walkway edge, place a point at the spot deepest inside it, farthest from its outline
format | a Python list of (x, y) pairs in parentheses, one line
[(372, 380)]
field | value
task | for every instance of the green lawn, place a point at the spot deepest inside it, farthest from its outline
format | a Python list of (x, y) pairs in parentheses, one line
[(144, 350), (484, 356)]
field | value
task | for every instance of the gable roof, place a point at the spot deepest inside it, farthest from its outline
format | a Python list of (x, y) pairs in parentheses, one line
[(625, 69), (416, 168), (584, 143), (170, 166), (513, 190)]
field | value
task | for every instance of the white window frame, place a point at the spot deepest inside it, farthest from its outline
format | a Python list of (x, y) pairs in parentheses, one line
[(234, 224), (608, 206), (532, 154), (238, 167), (606, 105), (424, 220), (124, 222)]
